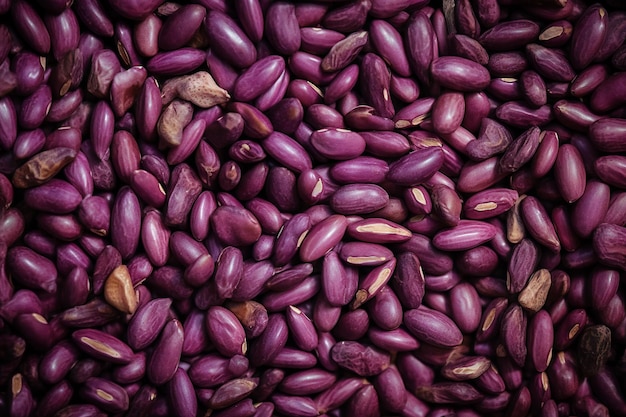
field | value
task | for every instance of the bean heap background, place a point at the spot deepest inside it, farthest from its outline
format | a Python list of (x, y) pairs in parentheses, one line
[(353, 208)]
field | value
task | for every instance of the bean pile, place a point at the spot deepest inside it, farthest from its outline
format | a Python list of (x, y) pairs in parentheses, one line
[(319, 208)]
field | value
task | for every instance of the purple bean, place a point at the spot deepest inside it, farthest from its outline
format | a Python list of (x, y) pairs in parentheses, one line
[(466, 368), (459, 74), (556, 34), (325, 317), (294, 295), (419, 41), (509, 35), (563, 376), (131, 372), (606, 239), (102, 346), (505, 88), (449, 393), (448, 112), (364, 402), (293, 359), (251, 16), (34, 108), (105, 394), (302, 329), (570, 173), (92, 14), (317, 40), (376, 77), (212, 369), (221, 321), (388, 42), (269, 69), (588, 36), (404, 88), (471, 232), (29, 143), (347, 18), (163, 363), (147, 322), (307, 382), (550, 63), (604, 132), (136, 10), (466, 20), (57, 398), (432, 327), (231, 393), (386, 309), (363, 360), (104, 66), (32, 269), (281, 28), (189, 18), (31, 27), (342, 53), (265, 348), (416, 167), (64, 32), (352, 325), (589, 80), (268, 381), (177, 62), (338, 393), (182, 395), (29, 71), (469, 48), (296, 406)]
